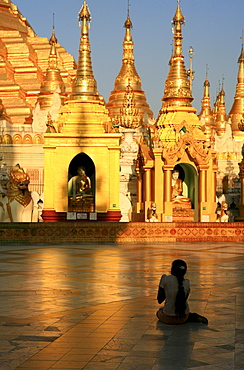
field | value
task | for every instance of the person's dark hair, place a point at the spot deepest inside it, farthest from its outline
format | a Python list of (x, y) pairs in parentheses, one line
[(178, 269)]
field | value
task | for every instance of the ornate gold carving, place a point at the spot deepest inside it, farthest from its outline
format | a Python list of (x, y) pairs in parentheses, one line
[(187, 143), (49, 124), (129, 114)]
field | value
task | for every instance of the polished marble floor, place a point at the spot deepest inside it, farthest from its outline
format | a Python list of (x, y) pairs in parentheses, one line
[(93, 307)]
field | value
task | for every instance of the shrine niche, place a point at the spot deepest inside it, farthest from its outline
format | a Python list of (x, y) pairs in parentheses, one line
[(189, 196), (197, 168), (183, 195), (81, 184)]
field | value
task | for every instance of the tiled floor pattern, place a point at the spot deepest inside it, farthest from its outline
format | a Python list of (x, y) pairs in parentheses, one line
[(93, 307)]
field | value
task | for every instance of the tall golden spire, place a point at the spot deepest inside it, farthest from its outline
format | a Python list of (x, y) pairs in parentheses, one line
[(128, 76), (237, 110), (53, 80), (206, 114), (85, 85), (220, 114), (177, 86)]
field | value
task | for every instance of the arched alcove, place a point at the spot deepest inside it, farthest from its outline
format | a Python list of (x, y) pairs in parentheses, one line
[(84, 202), (189, 176), (27, 139)]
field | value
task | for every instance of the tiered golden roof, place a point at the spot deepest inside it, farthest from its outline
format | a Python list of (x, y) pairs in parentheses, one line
[(237, 110), (128, 75), (12, 19), (177, 87), (23, 63), (53, 80)]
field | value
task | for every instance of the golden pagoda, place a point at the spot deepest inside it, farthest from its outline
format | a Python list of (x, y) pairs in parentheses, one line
[(179, 172), (81, 157), (53, 80), (237, 110), (128, 76)]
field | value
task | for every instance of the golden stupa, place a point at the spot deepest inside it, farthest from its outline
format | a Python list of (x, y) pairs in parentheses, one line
[(178, 145), (53, 80), (128, 78)]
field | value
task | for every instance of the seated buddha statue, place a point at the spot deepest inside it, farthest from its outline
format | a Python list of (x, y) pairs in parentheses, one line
[(81, 185), (177, 189)]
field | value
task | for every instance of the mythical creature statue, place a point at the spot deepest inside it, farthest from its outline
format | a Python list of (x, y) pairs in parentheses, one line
[(152, 213), (17, 205), (223, 215)]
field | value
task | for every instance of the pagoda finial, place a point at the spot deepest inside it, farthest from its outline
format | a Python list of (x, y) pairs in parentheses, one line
[(177, 87), (242, 37), (128, 10), (85, 83), (223, 78), (53, 57), (128, 26), (241, 57)]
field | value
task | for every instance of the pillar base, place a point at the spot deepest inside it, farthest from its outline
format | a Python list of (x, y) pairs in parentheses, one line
[(239, 219), (110, 216), (53, 216)]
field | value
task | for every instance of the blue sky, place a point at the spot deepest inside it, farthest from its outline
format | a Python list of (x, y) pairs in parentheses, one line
[(213, 28)]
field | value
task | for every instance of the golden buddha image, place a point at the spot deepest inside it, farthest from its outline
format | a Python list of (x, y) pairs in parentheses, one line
[(177, 189), (81, 185)]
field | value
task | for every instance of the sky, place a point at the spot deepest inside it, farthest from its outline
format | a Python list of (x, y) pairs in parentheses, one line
[(213, 28)]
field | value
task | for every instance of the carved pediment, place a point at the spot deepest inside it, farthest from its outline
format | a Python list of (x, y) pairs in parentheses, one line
[(187, 143)]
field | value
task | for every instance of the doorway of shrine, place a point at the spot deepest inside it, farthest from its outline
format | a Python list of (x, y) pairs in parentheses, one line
[(189, 176), (81, 184)]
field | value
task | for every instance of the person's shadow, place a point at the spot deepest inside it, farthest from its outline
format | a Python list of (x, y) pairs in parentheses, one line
[(179, 342)]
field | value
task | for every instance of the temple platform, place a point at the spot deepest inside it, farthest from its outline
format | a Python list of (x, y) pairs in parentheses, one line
[(93, 307), (119, 232)]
